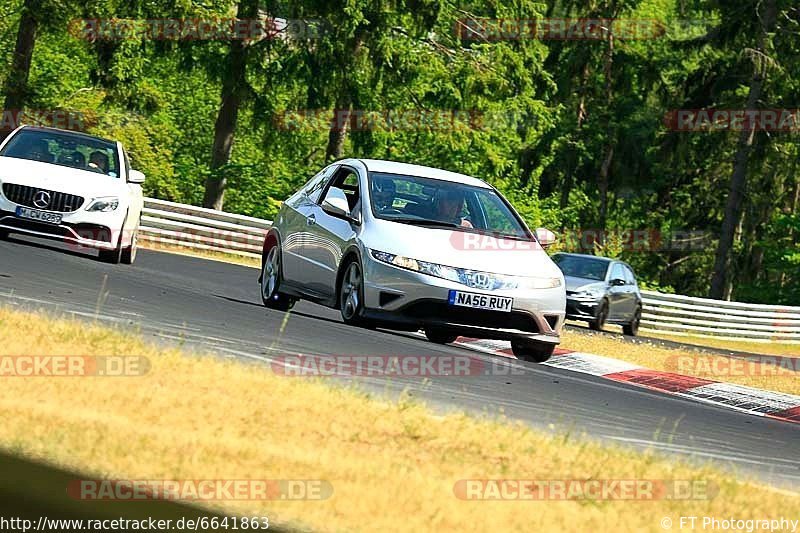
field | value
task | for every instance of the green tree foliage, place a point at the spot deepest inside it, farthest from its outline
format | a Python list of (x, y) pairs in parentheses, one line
[(572, 131)]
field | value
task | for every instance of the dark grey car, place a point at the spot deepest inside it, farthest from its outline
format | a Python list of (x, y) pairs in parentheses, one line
[(601, 291)]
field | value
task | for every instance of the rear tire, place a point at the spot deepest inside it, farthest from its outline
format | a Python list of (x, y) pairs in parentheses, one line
[(632, 329), (3, 234), (271, 274), (535, 351), (602, 315), (440, 336)]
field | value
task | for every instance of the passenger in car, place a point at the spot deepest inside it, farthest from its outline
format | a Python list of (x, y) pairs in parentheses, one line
[(40, 151)]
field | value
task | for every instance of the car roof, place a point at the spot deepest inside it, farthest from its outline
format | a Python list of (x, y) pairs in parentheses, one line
[(589, 256), (606, 259), (395, 167), (71, 133)]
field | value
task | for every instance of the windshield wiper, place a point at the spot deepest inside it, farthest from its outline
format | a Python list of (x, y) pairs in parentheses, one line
[(424, 222)]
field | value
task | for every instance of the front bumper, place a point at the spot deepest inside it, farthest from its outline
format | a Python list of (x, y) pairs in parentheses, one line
[(582, 309), (92, 229), (411, 300)]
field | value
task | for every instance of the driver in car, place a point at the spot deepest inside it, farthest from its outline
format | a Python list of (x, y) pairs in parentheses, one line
[(383, 193), (98, 161), (448, 205)]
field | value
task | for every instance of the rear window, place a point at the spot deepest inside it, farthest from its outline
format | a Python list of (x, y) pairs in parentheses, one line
[(582, 267)]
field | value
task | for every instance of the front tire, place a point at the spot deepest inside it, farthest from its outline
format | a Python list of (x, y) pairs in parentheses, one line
[(351, 295), (632, 329), (112, 257), (440, 336), (128, 255), (535, 351), (271, 280), (600, 320)]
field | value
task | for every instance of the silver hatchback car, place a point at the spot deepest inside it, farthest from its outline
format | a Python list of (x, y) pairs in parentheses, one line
[(409, 247)]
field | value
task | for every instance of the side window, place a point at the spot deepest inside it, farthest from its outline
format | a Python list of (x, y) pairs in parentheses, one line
[(318, 182), (347, 180), (617, 271), (629, 277)]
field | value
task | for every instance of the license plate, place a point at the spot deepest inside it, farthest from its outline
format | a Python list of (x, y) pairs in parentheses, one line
[(41, 216), (480, 301)]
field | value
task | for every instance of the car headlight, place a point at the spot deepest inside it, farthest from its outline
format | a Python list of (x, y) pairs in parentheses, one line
[(104, 205), (591, 294), (471, 278)]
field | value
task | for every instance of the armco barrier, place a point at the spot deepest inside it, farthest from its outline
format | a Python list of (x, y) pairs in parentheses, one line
[(702, 317), (206, 229), (203, 229)]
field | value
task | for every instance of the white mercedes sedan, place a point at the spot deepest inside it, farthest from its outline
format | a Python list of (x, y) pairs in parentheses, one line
[(72, 187)]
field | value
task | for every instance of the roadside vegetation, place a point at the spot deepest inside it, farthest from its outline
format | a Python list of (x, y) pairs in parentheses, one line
[(393, 464)]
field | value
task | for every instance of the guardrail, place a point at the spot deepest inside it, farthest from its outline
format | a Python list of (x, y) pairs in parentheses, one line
[(206, 229), (702, 317), (202, 229)]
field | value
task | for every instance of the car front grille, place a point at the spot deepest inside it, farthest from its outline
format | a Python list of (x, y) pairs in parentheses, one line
[(57, 201), (427, 310)]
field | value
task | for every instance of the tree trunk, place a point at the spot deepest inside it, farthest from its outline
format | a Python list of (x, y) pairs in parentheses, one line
[(16, 86), (233, 87), (338, 130), (566, 187), (341, 120), (608, 157), (720, 281)]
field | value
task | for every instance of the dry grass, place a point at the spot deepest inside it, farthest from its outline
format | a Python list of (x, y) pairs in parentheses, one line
[(393, 465), (768, 348), (690, 362)]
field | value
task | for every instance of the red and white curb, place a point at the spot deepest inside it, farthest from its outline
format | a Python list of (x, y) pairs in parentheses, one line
[(778, 405)]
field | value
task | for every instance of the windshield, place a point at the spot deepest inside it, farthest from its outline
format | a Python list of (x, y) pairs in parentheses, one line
[(582, 267), (437, 203), (65, 149)]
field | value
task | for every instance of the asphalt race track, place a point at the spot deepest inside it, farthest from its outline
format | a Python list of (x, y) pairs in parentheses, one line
[(216, 306)]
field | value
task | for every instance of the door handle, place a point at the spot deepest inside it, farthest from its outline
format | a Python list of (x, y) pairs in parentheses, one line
[(311, 220)]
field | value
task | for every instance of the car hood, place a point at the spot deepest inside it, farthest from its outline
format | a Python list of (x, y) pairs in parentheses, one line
[(583, 284), (460, 249), (59, 178)]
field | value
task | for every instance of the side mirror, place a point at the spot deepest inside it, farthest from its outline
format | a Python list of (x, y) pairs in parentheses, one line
[(336, 204), (617, 282), (545, 237), (134, 176)]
